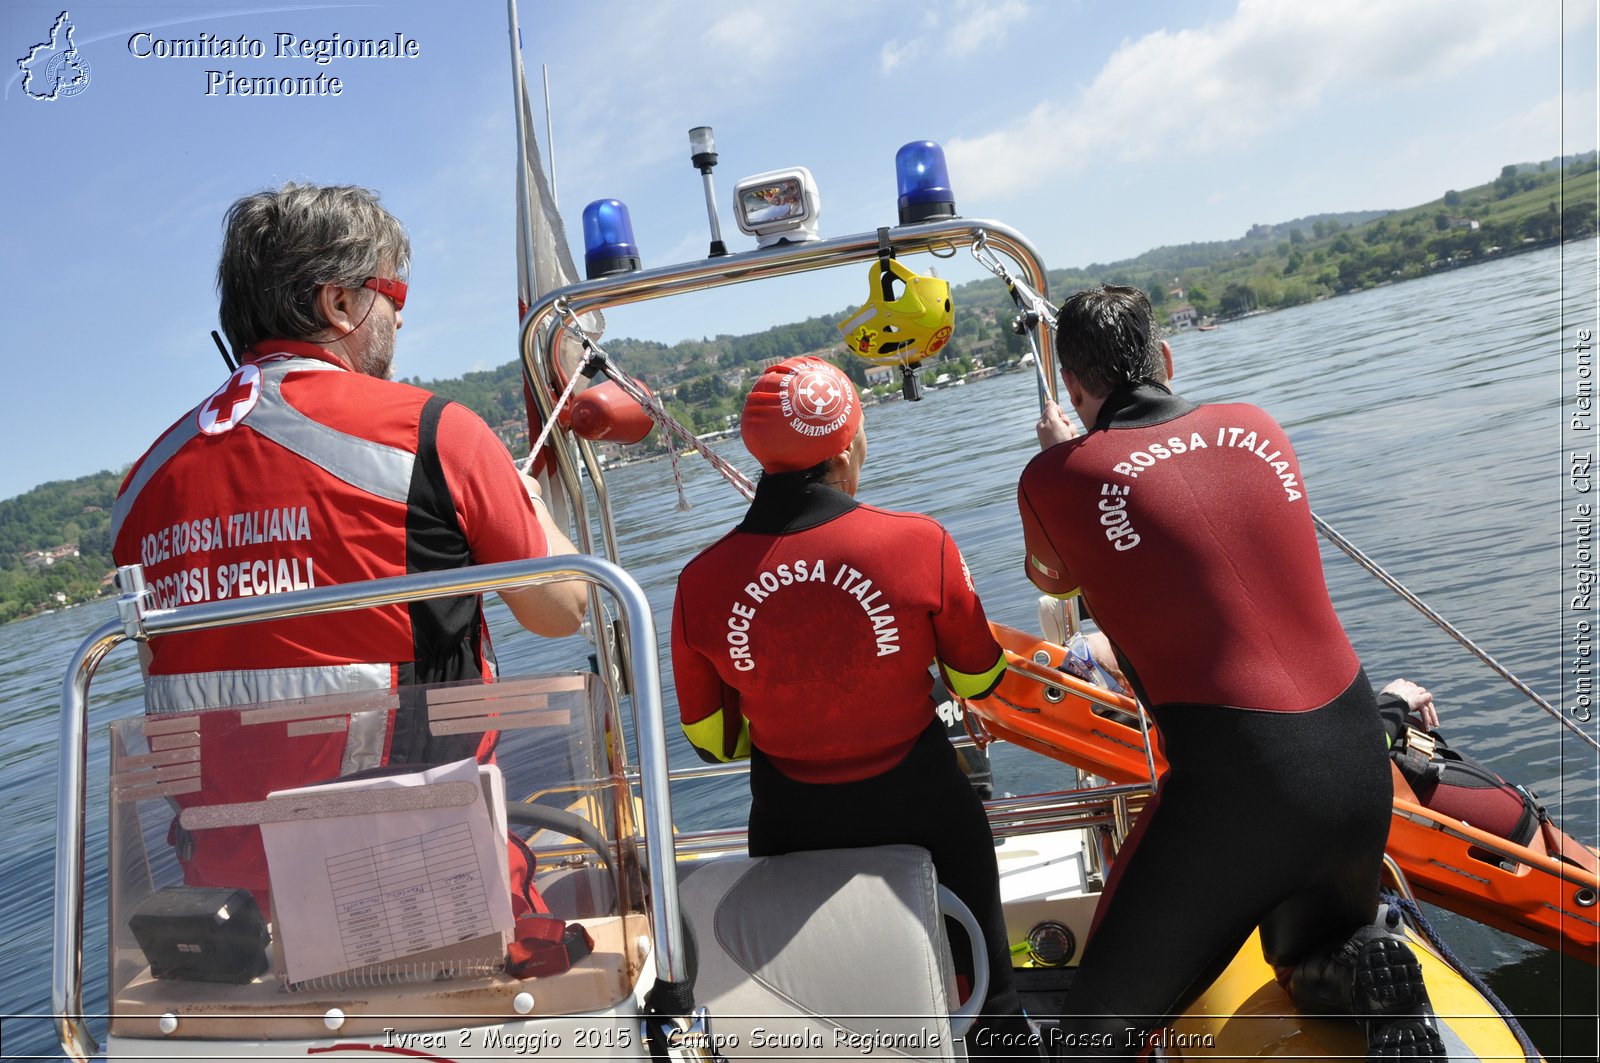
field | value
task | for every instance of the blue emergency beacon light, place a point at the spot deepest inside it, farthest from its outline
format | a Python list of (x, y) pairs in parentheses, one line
[(924, 183), (608, 245)]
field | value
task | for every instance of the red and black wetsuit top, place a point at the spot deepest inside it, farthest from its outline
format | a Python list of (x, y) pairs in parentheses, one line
[(1188, 531), (813, 623)]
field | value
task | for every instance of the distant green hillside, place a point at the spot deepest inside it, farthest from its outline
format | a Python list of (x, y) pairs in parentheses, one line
[(1526, 207), (55, 544), (1271, 266), (54, 540)]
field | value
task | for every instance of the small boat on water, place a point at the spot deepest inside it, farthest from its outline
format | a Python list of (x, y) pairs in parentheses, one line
[(637, 940)]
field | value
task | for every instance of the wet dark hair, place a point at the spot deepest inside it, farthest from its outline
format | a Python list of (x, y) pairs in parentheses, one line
[(1105, 336)]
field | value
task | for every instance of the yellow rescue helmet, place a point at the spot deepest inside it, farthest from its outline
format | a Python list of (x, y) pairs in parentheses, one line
[(904, 330)]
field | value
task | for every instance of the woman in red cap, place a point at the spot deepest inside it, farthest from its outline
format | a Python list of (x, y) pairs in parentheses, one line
[(802, 640)]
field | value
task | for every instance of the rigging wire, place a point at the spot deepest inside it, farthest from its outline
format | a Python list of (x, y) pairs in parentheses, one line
[(1032, 308), (596, 360), (1356, 554), (1032, 305)]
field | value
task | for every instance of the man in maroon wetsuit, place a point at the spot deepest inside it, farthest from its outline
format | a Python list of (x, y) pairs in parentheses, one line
[(1187, 531), (802, 640)]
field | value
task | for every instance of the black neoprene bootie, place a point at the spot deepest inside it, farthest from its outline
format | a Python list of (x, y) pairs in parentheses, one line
[(1375, 978)]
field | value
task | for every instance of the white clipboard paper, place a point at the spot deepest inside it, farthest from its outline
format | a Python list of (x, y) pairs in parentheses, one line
[(354, 891)]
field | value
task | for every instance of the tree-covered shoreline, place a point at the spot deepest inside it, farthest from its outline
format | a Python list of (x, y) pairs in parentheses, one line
[(55, 546)]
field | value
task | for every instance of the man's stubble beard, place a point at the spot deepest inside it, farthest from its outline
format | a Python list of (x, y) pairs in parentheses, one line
[(377, 357)]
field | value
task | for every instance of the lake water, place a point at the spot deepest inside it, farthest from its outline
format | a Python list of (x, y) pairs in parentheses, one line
[(1428, 419)]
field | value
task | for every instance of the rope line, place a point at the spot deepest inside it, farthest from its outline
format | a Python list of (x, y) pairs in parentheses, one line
[(1414, 912), (1030, 302), (657, 411), (549, 425), (1359, 557)]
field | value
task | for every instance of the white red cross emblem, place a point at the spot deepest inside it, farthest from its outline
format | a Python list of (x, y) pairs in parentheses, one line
[(228, 405), (817, 396)]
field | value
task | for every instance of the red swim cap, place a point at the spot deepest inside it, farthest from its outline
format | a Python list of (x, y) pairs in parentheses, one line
[(801, 412)]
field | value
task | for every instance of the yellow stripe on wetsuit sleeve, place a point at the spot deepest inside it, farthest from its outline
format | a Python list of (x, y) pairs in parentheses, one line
[(974, 685), (710, 739)]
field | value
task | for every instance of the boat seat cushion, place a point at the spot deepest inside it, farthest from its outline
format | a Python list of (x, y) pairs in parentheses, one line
[(822, 953)]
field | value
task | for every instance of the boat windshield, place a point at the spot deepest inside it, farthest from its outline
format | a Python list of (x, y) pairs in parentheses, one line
[(259, 867)]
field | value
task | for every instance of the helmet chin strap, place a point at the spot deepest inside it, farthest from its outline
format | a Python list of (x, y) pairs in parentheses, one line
[(885, 275), (910, 386)]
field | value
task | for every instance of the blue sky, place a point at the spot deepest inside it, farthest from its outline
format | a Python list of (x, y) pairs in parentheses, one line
[(1100, 129)]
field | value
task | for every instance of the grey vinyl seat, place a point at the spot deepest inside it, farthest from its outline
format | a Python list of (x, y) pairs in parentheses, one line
[(824, 953)]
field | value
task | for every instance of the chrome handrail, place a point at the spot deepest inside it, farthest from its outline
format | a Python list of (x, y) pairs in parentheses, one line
[(66, 985), (66, 962), (540, 330), (1008, 817)]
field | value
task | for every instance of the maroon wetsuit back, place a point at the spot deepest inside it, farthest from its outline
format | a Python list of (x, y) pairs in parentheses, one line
[(823, 634), (1188, 530), (1190, 535)]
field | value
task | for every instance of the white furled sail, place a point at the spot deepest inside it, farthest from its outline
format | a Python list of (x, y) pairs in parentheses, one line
[(544, 263)]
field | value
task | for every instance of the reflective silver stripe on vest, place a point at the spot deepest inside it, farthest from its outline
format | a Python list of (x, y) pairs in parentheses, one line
[(377, 469), (372, 467), (159, 455), (364, 741)]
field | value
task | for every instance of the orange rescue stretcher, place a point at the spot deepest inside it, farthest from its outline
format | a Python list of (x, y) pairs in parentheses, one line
[(1545, 892)]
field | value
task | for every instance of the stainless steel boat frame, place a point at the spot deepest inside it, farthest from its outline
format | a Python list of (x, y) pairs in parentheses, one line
[(138, 622), (541, 326), (544, 322)]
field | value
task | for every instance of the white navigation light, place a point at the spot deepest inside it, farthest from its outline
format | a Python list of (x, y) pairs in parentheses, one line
[(780, 206), (703, 157), (702, 148)]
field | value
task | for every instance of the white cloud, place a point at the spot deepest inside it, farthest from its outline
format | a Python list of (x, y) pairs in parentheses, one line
[(981, 25), (961, 30), (896, 54), (715, 57), (1234, 81), (1569, 115), (757, 32)]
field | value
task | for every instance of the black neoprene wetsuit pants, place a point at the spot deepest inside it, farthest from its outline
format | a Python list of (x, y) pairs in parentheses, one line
[(924, 800), (1269, 819)]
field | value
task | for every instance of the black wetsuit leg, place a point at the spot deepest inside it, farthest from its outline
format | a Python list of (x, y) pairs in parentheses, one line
[(1271, 819), (924, 800)]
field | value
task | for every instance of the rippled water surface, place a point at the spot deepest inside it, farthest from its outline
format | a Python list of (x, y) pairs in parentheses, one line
[(1428, 420)]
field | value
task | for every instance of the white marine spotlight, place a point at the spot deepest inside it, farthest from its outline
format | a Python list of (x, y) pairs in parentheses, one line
[(779, 206), (703, 156)]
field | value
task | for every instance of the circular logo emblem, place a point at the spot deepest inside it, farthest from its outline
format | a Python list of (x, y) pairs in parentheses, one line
[(816, 396), (67, 74), (940, 338), (228, 405)]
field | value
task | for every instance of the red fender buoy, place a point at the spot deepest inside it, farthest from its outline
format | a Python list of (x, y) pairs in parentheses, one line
[(604, 411)]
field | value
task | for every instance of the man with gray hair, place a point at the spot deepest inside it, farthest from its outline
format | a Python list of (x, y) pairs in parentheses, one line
[(310, 467), (1187, 531)]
